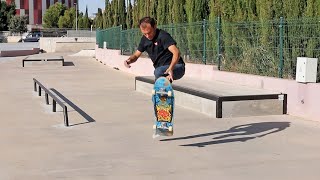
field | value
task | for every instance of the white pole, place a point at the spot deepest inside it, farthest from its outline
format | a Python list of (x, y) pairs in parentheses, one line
[(76, 16)]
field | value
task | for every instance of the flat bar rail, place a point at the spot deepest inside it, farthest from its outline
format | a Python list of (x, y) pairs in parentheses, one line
[(40, 58), (55, 100)]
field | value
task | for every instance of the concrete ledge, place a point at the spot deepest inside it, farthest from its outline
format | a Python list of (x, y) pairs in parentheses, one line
[(219, 104), (52, 44), (14, 53)]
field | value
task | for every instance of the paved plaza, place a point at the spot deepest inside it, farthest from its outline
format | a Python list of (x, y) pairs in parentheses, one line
[(110, 136)]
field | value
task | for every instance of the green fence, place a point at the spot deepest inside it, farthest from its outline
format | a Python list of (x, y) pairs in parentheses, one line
[(111, 36), (266, 48)]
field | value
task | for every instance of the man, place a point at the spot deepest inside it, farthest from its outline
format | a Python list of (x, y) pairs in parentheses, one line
[(162, 50)]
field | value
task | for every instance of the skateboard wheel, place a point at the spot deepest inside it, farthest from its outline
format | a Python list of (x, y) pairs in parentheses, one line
[(154, 126), (169, 93), (153, 92), (170, 128)]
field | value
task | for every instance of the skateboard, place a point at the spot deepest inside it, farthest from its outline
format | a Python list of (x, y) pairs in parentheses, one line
[(163, 103)]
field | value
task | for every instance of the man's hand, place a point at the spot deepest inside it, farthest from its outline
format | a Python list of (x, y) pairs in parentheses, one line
[(170, 74), (127, 63), (133, 58)]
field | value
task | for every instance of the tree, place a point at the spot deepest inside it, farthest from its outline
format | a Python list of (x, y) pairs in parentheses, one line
[(68, 19), (141, 7), (135, 13), (108, 15), (312, 8), (196, 11), (86, 20), (115, 13), (52, 15), (178, 11), (99, 19), (162, 12), (153, 8), (122, 12), (129, 15), (7, 11), (80, 21), (18, 24), (293, 8)]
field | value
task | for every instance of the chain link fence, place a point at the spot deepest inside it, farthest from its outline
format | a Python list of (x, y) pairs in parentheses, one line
[(268, 48), (110, 38)]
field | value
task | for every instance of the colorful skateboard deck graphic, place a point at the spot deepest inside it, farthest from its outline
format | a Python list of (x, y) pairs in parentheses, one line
[(163, 101)]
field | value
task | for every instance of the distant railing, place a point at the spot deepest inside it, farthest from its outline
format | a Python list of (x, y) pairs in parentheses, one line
[(55, 100)]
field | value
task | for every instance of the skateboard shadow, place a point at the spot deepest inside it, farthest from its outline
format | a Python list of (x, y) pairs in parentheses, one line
[(76, 108), (236, 133)]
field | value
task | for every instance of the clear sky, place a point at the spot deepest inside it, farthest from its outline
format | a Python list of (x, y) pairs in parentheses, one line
[(93, 6)]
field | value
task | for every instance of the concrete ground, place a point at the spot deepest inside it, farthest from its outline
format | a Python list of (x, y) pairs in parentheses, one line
[(110, 136)]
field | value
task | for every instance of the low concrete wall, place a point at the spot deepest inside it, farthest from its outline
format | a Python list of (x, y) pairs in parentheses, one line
[(303, 99), (73, 46), (50, 44), (13, 39), (112, 58), (14, 53)]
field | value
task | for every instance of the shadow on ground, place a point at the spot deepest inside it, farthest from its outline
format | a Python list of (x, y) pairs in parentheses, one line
[(68, 63), (75, 107), (240, 133)]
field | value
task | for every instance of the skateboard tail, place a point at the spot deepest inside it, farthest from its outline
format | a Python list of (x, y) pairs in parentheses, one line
[(163, 132)]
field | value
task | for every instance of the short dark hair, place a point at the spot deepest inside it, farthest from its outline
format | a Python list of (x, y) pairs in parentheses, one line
[(148, 20)]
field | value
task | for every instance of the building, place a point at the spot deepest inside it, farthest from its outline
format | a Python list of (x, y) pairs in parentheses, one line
[(35, 9)]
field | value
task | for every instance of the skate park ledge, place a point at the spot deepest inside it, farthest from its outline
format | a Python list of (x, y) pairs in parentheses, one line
[(21, 52), (302, 98), (220, 100)]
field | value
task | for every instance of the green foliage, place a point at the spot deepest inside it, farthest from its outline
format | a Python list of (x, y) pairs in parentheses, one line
[(108, 16), (18, 24), (121, 13), (52, 15), (99, 19), (312, 8), (68, 19), (178, 11), (115, 12), (293, 8), (86, 20), (80, 21), (135, 13), (196, 11), (162, 12), (129, 22), (153, 8), (6, 13)]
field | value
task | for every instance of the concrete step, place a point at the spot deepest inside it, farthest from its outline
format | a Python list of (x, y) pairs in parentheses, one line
[(219, 99)]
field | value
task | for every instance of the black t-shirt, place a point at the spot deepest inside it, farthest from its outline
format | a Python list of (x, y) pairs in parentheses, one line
[(157, 48)]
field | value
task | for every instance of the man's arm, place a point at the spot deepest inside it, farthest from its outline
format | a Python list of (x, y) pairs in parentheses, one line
[(175, 58), (133, 58)]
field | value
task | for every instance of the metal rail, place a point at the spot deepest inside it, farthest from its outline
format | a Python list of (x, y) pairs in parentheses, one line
[(55, 100)]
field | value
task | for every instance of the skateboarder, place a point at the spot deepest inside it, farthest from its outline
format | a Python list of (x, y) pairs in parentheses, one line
[(162, 50)]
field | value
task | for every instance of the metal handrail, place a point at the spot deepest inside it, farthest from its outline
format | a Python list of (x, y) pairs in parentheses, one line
[(55, 100)]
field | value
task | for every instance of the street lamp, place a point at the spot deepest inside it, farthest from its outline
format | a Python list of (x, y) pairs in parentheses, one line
[(76, 16)]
